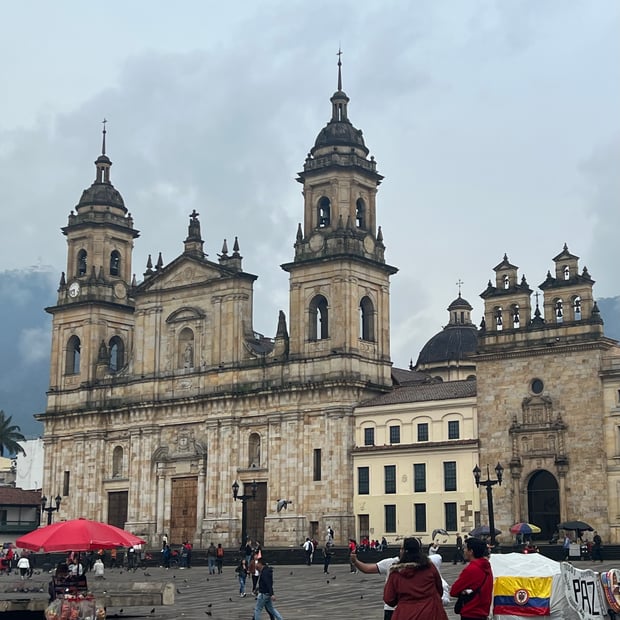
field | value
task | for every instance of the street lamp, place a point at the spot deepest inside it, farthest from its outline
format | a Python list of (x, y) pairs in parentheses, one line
[(50, 509), (244, 511), (488, 483)]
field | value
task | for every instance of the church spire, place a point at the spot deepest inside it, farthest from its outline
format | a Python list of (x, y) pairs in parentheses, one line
[(339, 69)]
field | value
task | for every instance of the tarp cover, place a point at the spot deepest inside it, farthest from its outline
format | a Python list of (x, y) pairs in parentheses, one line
[(528, 585)]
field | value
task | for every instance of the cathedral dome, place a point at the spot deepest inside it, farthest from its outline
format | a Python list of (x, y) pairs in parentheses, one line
[(455, 342), (452, 343)]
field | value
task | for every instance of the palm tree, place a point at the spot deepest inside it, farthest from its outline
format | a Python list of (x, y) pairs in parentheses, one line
[(9, 436)]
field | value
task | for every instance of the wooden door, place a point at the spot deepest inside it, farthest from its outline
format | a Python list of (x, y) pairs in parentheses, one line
[(117, 508), (183, 507), (256, 513)]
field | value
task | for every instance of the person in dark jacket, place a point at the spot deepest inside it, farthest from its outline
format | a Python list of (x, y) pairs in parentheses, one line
[(265, 591), (475, 579)]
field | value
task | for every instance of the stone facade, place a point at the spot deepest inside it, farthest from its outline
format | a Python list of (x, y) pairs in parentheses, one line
[(541, 405), (162, 395)]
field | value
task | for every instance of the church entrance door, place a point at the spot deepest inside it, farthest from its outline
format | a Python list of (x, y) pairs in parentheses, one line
[(543, 500), (117, 508), (256, 513), (183, 507)]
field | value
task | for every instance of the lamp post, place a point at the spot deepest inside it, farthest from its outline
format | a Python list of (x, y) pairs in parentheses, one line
[(489, 484), (244, 511), (50, 509)]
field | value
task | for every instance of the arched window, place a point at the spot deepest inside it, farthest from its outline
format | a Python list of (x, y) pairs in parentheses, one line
[(117, 354), (367, 320), (516, 318), (559, 312), (324, 212), (360, 213), (115, 263), (72, 365), (506, 282), (186, 348), (82, 265), (319, 319), (567, 273), (498, 319), (577, 308), (254, 450), (117, 462)]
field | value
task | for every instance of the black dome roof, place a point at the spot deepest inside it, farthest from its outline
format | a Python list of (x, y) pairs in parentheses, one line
[(102, 194), (340, 133), (454, 342)]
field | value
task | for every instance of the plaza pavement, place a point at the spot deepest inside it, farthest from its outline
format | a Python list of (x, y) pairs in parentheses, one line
[(302, 592)]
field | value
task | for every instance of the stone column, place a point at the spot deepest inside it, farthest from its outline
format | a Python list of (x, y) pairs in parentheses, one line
[(160, 500)]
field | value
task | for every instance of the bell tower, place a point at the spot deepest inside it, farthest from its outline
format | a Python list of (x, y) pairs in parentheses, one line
[(339, 280), (93, 316)]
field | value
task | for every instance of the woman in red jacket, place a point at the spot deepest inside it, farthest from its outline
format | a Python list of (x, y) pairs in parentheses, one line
[(476, 579), (414, 585)]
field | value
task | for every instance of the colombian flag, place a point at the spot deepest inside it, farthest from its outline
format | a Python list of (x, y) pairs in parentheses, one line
[(522, 596)]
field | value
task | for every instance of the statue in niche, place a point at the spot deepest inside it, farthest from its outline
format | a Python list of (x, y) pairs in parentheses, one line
[(188, 356)]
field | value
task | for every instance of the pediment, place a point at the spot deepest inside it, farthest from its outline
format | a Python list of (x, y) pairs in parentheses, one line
[(187, 313), (183, 272)]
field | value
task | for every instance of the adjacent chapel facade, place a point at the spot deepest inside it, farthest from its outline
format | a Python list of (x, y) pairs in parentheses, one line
[(161, 394)]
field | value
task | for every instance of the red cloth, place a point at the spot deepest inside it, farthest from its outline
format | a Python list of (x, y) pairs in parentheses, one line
[(415, 592), (477, 574)]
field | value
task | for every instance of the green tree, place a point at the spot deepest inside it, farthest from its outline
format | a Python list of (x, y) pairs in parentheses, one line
[(9, 436)]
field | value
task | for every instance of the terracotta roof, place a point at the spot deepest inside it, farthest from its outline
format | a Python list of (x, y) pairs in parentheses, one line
[(422, 392), (11, 496)]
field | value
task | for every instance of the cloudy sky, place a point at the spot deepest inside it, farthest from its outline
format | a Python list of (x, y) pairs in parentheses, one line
[(495, 124)]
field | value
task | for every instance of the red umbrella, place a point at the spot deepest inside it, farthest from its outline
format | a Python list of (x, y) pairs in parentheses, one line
[(77, 535)]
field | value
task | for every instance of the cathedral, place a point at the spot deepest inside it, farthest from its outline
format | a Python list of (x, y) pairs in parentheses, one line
[(162, 396), (168, 414)]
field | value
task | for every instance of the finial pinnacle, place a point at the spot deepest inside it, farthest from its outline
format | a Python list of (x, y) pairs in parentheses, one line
[(339, 54), (104, 121)]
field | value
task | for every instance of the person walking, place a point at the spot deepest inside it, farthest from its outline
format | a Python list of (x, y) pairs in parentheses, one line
[(474, 586), (211, 557), (23, 564), (414, 585), (458, 553), (597, 547), (219, 558), (309, 550), (265, 597), (327, 557), (242, 574), (165, 556), (382, 568)]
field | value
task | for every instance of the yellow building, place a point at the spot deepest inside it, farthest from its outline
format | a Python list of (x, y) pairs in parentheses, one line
[(416, 447)]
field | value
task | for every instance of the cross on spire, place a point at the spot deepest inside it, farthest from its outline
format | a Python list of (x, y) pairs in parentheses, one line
[(339, 54), (103, 122)]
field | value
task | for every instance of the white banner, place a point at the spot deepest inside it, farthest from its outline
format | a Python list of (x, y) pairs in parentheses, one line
[(584, 592)]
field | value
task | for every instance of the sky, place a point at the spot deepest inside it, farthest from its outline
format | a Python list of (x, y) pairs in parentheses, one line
[(495, 124)]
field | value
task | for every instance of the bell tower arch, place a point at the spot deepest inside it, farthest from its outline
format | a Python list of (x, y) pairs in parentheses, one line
[(93, 316), (339, 270)]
